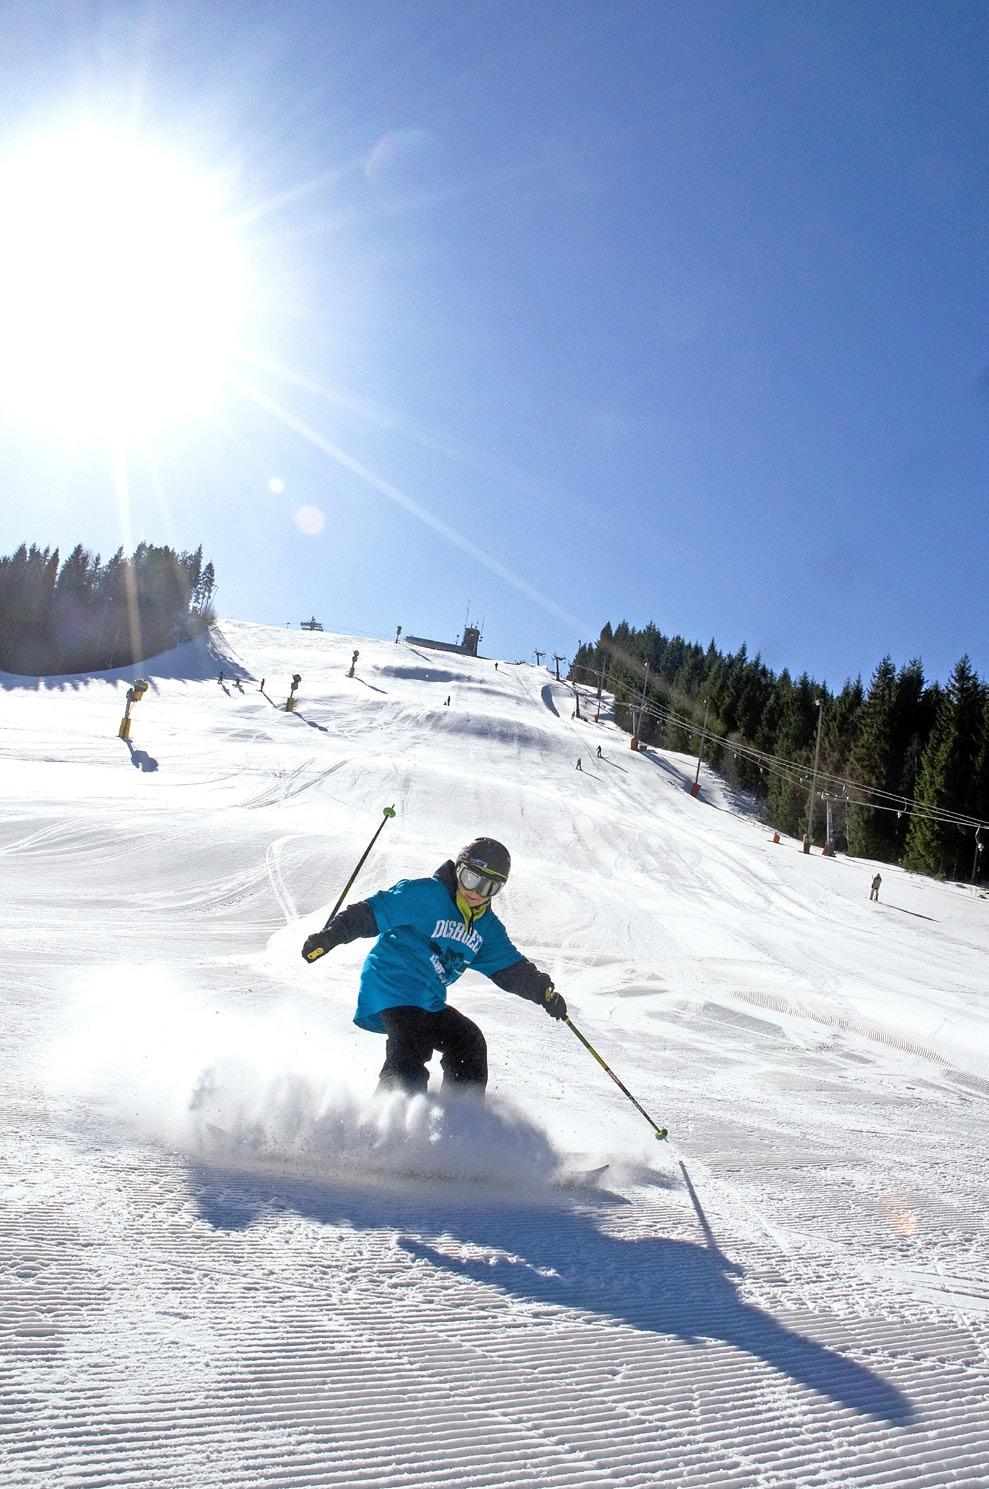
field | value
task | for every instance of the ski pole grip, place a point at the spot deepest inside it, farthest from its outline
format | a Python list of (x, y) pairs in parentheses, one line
[(316, 952)]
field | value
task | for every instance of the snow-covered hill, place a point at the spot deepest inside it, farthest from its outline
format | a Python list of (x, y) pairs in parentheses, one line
[(218, 1266)]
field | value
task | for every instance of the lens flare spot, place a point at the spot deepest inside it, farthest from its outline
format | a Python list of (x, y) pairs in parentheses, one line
[(276, 485), (310, 520), (899, 1216), (403, 167)]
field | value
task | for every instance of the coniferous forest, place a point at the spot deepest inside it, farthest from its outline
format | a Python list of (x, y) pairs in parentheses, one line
[(902, 766), (82, 615)]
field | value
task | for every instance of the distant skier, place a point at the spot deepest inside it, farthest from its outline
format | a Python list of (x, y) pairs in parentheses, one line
[(429, 932), (447, 703), (600, 756), (261, 688), (579, 766), (220, 679), (874, 891)]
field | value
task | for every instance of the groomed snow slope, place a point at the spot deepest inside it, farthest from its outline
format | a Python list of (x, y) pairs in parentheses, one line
[(218, 1268)]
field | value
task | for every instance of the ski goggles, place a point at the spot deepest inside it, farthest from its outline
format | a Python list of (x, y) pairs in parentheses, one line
[(476, 881)]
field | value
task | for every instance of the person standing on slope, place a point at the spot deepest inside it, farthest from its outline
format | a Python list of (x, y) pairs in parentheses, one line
[(429, 932)]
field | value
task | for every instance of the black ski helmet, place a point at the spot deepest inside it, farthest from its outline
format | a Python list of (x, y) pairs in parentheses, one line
[(488, 855)]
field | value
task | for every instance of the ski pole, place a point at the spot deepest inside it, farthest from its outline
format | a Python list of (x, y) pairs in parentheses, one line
[(318, 952), (660, 1132)]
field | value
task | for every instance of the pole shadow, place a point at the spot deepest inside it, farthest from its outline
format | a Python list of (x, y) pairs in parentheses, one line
[(311, 722), (681, 778)]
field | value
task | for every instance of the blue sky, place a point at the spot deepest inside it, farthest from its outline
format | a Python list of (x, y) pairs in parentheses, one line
[(561, 312)]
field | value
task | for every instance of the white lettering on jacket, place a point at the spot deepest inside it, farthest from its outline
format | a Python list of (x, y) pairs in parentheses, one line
[(455, 930)]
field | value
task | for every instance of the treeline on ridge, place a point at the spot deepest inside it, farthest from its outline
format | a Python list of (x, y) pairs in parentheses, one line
[(903, 740), (84, 615)]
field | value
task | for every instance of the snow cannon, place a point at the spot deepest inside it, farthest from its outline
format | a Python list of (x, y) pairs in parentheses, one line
[(134, 695)]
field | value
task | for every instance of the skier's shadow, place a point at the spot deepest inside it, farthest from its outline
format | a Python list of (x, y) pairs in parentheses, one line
[(559, 1256), (915, 913)]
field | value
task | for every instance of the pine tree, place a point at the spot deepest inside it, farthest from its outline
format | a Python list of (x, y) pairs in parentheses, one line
[(780, 732), (85, 615), (949, 777), (869, 831), (913, 719), (72, 617), (27, 584), (980, 856)]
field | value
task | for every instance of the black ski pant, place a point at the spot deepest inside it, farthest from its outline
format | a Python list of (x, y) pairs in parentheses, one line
[(415, 1035)]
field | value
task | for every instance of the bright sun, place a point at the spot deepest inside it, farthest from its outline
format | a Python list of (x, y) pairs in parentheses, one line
[(121, 287)]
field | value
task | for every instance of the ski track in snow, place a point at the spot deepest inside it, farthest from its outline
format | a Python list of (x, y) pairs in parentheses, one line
[(217, 1266)]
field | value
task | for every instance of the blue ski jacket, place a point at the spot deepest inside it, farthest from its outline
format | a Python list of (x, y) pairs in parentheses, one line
[(425, 943)]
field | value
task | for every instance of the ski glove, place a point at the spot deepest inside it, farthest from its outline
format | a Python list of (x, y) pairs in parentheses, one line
[(554, 1003), (356, 920), (317, 944)]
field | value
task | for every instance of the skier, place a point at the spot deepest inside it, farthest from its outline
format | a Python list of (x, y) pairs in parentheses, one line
[(261, 688), (429, 932), (874, 891), (579, 766), (600, 756)]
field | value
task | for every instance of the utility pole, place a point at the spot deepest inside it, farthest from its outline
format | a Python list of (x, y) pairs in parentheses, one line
[(539, 657), (813, 782), (557, 660), (697, 772), (637, 722), (830, 798)]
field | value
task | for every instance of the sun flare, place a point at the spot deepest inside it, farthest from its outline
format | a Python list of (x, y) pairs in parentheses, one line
[(121, 286)]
